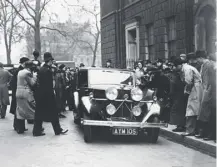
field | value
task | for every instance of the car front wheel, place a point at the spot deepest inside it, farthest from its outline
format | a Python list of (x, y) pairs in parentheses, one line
[(153, 133), (87, 133)]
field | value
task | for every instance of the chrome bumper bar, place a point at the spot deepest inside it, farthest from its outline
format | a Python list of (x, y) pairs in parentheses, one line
[(123, 124)]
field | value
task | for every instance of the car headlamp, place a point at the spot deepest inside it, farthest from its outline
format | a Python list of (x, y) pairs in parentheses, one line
[(110, 109), (136, 94), (111, 93), (136, 111)]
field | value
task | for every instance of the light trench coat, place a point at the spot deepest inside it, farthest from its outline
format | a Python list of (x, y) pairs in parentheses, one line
[(25, 99), (193, 87)]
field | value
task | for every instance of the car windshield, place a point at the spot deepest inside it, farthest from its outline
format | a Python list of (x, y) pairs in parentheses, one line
[(110, 77)]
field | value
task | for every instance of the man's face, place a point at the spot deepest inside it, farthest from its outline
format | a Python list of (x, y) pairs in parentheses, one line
[(193, 62), (50, 63), (140, 65), (108, 64)]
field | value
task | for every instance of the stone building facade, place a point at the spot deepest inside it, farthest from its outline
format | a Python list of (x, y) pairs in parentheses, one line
[(151, 29)]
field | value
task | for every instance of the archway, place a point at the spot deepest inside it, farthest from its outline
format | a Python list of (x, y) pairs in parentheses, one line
[(205, 29)]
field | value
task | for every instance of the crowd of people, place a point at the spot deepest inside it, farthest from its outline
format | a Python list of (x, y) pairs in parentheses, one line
[(40, 93), (186, 89)]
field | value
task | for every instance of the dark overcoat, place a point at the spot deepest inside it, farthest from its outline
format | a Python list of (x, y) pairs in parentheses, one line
[(162, 84), (206, 101), (212, 81), (46, 109), (13, 85), (178, 107), (5, 78), (60, 85)]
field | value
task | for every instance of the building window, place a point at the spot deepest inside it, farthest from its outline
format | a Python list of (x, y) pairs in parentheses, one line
[(132, 44), (171, 35), (150, 34)]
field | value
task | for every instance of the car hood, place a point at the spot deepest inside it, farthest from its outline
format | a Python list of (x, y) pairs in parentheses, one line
[(104, 87)]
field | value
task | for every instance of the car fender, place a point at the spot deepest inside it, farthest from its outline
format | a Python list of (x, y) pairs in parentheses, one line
[(153, 109), (87, 103), (76, 99)]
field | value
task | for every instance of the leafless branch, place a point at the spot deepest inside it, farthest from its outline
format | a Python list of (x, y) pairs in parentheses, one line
[(27, 9), (20, 15), (63, 33), (29, 6), (43, 6)]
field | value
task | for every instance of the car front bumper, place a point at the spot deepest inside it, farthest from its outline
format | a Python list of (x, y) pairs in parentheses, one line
[(123, 124)]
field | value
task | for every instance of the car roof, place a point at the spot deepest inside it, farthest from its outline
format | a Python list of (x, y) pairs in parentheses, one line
[(101, 68)]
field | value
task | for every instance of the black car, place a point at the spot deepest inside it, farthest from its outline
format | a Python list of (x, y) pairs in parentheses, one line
[(110, 98)]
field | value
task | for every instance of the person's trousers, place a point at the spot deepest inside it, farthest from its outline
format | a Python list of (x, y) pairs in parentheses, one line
[(191, 124), (3, 109), (37, 129), (20, 125)]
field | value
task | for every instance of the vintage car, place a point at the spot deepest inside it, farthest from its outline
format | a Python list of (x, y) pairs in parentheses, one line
[(108, 97)]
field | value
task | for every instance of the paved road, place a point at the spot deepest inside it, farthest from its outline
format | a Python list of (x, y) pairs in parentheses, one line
[(70, 150)]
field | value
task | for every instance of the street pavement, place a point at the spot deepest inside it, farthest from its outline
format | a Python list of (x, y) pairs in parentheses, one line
[(70, 150)]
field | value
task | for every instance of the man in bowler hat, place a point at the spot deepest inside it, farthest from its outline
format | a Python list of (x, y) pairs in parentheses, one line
[(46, 109)]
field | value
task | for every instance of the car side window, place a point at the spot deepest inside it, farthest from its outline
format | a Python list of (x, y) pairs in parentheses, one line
[(82, 79)]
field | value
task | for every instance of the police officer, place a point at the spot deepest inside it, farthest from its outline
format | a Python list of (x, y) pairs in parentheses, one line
[(46, 109)]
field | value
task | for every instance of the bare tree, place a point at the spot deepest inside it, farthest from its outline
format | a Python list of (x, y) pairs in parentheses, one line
[(10, 25), (91, 28), (34, 10)]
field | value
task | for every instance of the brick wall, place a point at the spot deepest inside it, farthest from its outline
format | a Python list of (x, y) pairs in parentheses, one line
[(154, 12), (108, 40)]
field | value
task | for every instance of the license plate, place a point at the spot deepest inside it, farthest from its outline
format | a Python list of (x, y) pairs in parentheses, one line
[(125, 131)]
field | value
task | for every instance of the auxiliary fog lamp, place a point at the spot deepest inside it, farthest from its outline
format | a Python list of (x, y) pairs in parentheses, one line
[(111, 109), (137, 111)]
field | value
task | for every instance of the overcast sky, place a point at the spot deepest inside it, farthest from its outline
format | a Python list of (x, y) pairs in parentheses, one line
[(62, 11)]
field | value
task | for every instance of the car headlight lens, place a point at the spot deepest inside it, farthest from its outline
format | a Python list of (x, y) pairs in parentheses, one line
[(136, 94), (136, 111), (110, 109), (111, 93)]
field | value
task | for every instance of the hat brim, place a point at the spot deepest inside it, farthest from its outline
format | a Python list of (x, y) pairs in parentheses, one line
[(48, 59)]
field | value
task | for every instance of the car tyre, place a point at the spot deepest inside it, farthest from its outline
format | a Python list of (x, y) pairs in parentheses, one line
[(87, 133), (153, 133)]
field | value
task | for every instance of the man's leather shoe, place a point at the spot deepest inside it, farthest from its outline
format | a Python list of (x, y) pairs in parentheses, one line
[(20, 131), (199, 136), (25, 129), (187, 134), (38, 134), (207, 138), (62, 132), (178, 130)]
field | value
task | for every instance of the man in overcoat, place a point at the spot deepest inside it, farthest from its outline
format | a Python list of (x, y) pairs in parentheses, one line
[(46, 109), (193, 88), (14, 89), (205, 109), (5, 78)]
